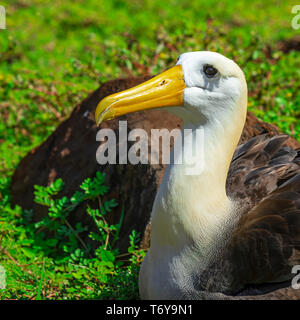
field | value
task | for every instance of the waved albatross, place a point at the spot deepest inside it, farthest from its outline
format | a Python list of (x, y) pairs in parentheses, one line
[(234, 229)]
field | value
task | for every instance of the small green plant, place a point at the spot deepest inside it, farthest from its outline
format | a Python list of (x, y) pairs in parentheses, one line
[(66, 238), (64, 259)]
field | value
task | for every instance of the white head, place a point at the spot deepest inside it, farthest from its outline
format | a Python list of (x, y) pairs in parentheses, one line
[(215, 87)]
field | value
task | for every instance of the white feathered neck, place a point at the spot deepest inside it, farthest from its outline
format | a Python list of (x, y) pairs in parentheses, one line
[(189, 209)]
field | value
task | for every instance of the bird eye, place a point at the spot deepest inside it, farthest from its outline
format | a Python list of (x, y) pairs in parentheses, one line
[(210, 71)]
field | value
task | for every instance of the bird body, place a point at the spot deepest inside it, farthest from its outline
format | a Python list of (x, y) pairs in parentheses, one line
[(235, 222)]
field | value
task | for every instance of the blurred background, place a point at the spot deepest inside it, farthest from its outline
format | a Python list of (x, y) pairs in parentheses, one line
[(54, 53)]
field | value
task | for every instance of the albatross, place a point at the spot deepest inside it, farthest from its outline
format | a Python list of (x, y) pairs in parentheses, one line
[(232, 229)]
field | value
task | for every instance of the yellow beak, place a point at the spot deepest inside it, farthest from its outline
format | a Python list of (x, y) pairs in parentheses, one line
[(164, 90)]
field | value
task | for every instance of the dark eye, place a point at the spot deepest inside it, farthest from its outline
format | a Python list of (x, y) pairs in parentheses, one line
[(210, 71)]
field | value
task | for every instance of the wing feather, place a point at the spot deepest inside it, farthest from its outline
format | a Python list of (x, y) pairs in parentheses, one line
[(265, 244)]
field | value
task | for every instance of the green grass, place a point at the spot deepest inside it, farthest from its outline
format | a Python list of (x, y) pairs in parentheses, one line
[(54, 53)]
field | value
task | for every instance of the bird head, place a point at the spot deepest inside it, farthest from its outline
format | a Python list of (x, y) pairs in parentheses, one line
[(202, 86)]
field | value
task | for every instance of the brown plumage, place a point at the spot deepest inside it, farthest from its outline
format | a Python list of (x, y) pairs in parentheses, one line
[(265, 244)]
